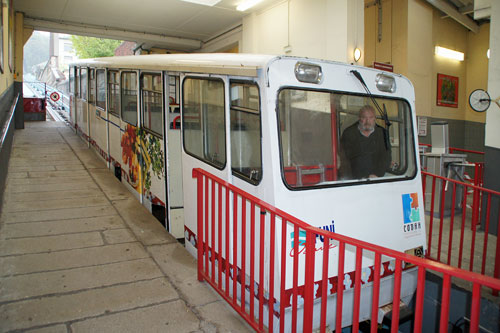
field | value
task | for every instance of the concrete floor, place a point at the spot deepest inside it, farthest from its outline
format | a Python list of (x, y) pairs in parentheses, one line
[(467, 253), (79, 254), (456, 230)]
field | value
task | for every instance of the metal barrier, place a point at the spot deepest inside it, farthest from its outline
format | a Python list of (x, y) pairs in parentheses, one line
[(45, 91), (242, 253), (4, 129), (472, 210), (453, 150), (477, 176), (6, 137)]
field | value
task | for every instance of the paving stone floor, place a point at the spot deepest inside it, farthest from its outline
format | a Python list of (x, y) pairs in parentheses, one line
[(79, 254)]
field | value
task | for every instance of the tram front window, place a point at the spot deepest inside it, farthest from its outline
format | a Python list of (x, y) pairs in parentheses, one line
[(334, 138)]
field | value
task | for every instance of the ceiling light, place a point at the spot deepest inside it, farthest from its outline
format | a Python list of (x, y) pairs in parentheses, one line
[(247, 4), (488, 53), (204, 2), (450, 54), (357, 54)]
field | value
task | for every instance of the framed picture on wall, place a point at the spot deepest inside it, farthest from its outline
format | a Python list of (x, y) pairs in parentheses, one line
[(447, 90)]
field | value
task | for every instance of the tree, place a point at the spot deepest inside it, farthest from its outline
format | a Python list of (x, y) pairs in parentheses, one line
[(91, 47)]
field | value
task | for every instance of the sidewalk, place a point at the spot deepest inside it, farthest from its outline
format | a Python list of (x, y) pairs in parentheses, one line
[(79, 254)]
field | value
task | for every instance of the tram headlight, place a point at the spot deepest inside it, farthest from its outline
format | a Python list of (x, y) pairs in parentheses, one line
[(308, 73), (385, 83)]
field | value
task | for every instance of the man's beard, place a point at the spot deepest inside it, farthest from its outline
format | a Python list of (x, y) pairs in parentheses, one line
[(367, 128)]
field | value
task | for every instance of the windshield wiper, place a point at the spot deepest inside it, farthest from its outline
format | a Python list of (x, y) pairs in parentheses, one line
[(383, 113)]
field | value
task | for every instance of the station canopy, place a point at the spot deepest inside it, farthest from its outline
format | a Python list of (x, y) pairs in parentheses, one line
[(183, 25)]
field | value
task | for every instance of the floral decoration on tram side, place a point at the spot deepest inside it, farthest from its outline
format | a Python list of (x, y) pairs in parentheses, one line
[(141, 150), (152, 161), (131, 155)]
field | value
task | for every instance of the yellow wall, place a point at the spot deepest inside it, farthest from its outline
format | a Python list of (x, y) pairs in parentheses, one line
[(370, 22), (450, 34), (399, 43), (420, 55), (390, 46), (19, 46), (410, 31), (477, 68), (7, 77)]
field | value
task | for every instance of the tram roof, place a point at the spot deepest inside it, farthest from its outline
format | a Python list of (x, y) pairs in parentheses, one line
[(215, 63)]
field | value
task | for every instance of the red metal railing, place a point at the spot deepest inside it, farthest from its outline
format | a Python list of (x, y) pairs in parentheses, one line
[(468, 151), (449, 199), (243, 246), (478, 166), (175, 122), (453, 149), (477, 177)]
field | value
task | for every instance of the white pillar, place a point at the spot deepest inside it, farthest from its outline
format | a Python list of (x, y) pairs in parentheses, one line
[(492, 132), (325, 29)]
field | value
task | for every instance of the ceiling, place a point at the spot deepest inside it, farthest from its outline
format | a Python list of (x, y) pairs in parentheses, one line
[(159, 23), (469, 13), (171, 24)]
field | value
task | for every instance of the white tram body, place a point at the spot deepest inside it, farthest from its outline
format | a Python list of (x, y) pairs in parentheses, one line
[(270, 125)]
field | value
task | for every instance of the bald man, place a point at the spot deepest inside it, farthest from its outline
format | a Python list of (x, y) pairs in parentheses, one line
[(363, 149)]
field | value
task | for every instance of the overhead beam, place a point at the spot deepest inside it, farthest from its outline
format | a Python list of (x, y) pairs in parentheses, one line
[(455, 14), (72, 28), (466, 9)]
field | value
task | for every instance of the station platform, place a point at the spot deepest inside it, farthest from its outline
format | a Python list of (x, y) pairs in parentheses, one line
[(78, 253)]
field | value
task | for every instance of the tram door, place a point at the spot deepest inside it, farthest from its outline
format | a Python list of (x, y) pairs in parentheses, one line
[(113, 114), (151, 144), (130, 134), (97, 113), (173, 164), (73, 88), (81, 104), (204, 124), (245, 134)]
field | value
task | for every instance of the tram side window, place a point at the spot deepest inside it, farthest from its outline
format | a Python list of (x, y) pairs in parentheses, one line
[(152, 102), (129, 97), (83, 83), (72, 80), (92, 86), (114, 92), (77, 81), (245, 131), (203, 122), (101, 89), (322, 140)]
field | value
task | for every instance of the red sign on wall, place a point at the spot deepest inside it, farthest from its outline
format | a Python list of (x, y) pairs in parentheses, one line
[(382, 66)]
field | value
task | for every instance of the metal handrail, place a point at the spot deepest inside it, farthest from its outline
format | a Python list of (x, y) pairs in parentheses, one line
[(458, 182), (6, 125), (210, 257), (452, 149), (481, 207), (466, 151)]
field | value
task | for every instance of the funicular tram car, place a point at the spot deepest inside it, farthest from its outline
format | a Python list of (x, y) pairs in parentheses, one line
[(272, 126)]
